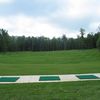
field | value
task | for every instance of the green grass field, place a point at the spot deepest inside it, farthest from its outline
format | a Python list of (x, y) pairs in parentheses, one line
[(55, 62), (89, 90)]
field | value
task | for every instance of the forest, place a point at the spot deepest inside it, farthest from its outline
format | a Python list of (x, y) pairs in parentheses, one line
[(22, 43)]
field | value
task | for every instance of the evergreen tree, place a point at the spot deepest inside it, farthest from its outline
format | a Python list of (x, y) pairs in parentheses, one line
[(4, 40), (98, 43)]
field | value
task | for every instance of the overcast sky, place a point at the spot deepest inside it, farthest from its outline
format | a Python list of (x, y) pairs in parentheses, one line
[(49, 18)]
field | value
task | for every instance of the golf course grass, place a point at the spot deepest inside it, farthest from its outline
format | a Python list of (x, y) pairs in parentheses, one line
[(55, 62), (85, 90)]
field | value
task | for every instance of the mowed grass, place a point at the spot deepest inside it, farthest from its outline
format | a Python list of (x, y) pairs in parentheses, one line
[(86, 90), (54, 62)]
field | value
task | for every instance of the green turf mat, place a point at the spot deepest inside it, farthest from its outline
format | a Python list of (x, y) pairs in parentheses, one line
[(49, 78), (87, 77), (9, 79)]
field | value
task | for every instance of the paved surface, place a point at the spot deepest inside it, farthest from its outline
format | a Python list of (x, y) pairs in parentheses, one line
[(36, 78)]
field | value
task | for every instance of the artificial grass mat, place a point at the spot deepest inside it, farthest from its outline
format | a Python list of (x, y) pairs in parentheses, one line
[(8, 79), (49, 78), (87, 77)]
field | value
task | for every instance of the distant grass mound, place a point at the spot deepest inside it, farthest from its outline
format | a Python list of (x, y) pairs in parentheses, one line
[(54, 62)]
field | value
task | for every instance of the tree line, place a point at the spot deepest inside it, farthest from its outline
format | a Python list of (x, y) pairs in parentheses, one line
[(22, 43)]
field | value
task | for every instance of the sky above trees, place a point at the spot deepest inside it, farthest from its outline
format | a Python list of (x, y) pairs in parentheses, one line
[(49, 18)]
